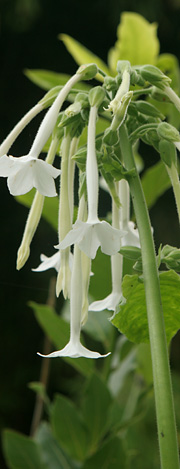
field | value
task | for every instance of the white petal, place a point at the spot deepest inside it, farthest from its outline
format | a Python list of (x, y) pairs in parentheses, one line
[(43, 179), (48, 263), (110, 238), (74, 236), (110, 302), (5, 166), (90, 242), (74, 351), (22, 181)]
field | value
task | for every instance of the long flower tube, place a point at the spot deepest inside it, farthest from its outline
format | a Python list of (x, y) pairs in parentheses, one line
[(74, 348), (28, 171), (65, 217), (93, 233), (11, 137)]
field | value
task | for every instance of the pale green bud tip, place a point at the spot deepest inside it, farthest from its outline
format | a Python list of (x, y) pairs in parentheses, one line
[(87, 71), (168, 152), (155, 76), (168, 132), (123, 65), (96, 96), (22, 255)]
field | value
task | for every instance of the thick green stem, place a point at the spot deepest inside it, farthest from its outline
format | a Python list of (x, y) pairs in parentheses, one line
[(161, 372)]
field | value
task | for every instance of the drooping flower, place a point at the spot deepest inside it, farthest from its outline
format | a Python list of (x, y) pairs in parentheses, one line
[(26, 172), (74, 348), (93, 233)]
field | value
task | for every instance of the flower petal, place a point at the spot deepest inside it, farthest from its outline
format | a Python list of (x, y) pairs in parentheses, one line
[(21, 182), (109, 237), (6, 166), (110, 302), (48, 263), (43, 174), (74, 351)]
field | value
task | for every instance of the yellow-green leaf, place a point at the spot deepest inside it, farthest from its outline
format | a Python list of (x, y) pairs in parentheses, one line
[(82, 55), (137, 41)]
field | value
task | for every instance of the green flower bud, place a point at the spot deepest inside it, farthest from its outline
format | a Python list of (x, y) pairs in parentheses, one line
[(87, 71), (168, 132), (148, 109), (154, 76), (111, 137), (123, 65), (136, 78), (110, 84), (168, 152), (96, 96)]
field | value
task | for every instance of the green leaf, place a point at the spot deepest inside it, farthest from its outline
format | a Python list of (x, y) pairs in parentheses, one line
[(53, 455), (132, 317), (95, 408), (110, 455), (50, 209), (69, 428), (82, 55), (47, 79), (137, 41), (157, 177), (57, 329), (21, 451)]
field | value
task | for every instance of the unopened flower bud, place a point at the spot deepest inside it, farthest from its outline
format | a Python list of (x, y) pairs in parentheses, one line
[(148, 109), (87, 71), (154, 76), (110, 137), (168, 152), (96, 96), (123, 65), (168, 132)]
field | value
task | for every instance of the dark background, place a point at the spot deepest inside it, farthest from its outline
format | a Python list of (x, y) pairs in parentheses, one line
[(28, 39)]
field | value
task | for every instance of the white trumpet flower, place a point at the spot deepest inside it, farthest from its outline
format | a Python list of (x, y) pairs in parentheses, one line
[(74, 348), (93, 233)]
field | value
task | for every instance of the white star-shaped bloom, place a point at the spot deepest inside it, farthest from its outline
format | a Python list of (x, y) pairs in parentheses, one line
[(74, 348), (26, 172), (89, 236)]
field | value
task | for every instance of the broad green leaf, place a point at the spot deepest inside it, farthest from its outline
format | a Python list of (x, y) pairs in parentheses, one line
[(155, 177), (132, 317), (82, 55), (46, 79), (21, 451), (111, 455), (95, 408), (50, 209), (69, 428), (57, 329), (52, 454), (137, 41)]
